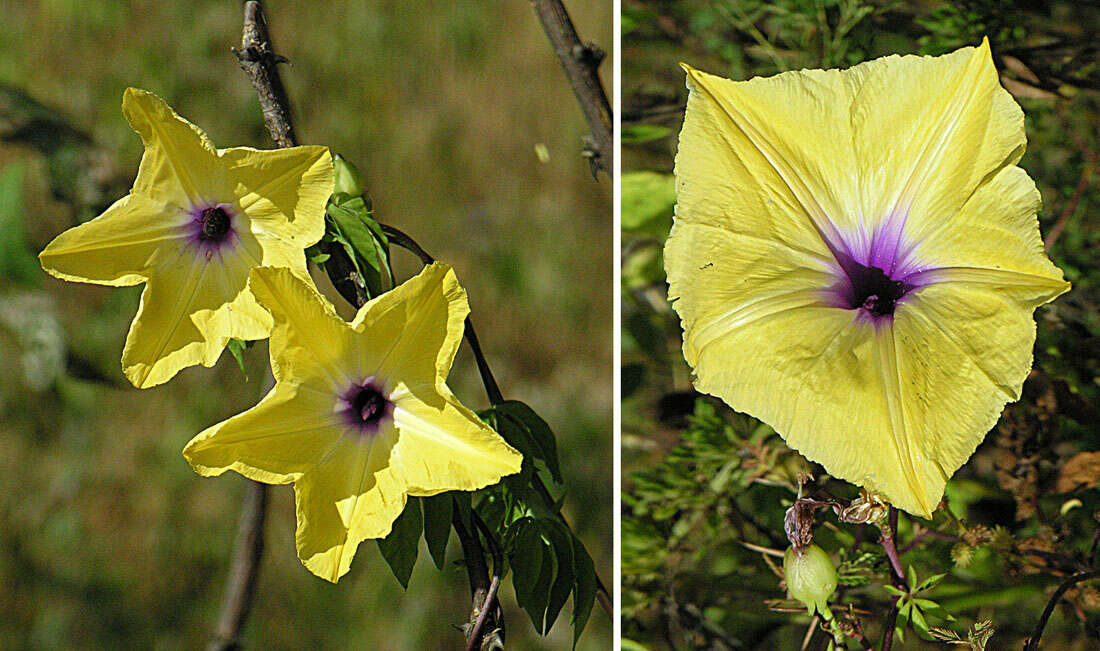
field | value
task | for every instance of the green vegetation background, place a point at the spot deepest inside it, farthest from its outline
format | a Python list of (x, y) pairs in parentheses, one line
[(107, 538), (699, 480)]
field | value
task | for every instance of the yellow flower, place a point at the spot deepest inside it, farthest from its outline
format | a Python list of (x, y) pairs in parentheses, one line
[(360, 416), (856, 261), (197, 220)]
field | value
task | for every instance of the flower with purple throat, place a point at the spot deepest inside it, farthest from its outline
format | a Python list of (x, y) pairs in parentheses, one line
[(855, 260), (196, 221)]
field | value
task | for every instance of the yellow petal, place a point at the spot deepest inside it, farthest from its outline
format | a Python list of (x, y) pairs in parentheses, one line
[(994, 241), (309, 340), (349, 497), (190, 308), (180, 165), (928, 130), (291, 430), (444, 446), (283, 191), (738, 171), (720, 280), (119, 247), (960, 353), (421, 322)]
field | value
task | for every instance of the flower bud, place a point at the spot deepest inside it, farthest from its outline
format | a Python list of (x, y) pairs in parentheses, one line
[(348, 179), (811, 578)]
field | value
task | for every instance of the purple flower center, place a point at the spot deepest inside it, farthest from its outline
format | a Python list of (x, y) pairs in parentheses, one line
[(871, 289), (215, 224), (365, 407), (211, 228)]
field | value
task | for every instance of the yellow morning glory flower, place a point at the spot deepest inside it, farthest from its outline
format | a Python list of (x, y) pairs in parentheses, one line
[(856, 260), (360, 416), (197, 220)]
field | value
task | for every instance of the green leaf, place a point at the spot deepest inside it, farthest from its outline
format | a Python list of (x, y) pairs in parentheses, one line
[(912, 580), (401, 546), (516, 416), (894, 591), (930, 582), (438, 510), (363, 239), (532, 566), (584, 589), (647, 201), (636, 134), (561, 544), (236, 348)]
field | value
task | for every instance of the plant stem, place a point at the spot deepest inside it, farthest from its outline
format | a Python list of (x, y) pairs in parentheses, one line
[(476, 570), (897, 576), (1033, 641), (241, 585), (581, 63)]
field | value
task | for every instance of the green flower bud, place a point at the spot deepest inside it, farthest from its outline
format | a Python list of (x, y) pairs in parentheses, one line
[(811, 578), (348, 179)]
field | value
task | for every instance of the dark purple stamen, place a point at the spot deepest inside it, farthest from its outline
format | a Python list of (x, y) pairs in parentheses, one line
[(215, 224), (868, 288), (365, 407)]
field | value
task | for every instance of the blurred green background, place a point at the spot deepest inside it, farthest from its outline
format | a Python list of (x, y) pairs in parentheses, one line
[(700, 481), (107, 538)]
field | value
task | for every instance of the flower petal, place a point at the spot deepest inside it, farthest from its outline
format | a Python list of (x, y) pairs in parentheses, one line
[(959, 355), (928, 130), (180, 165), (739, 169), (349, 497), (309, 340), (291, 430), (283, 191), (190, 308), (994, 240), (721, 280), (119, 247), (422, 322), (443, 446)]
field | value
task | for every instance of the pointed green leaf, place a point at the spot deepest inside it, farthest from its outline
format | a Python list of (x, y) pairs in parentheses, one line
[(401, 546), (561, 544), (930, 582), (236, 348), (517, 415), (584, 590), (438, 510)]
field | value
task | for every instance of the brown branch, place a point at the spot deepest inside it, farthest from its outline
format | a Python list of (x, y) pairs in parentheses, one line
[(477, 572), (239, 588), (1033, 641), (259, 62), (581, 62), (491, 607)]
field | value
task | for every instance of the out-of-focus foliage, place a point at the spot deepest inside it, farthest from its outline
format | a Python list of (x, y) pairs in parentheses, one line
[(109, 539), (705, 489)]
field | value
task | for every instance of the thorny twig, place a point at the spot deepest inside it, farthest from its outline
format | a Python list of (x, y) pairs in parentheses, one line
[(581, 62), (259, 62)]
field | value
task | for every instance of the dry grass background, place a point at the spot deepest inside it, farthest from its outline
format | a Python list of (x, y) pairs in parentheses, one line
[(108, 539)]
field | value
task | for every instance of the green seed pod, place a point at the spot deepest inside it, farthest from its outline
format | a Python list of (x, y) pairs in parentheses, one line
[(811, 578), (347, 177)]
